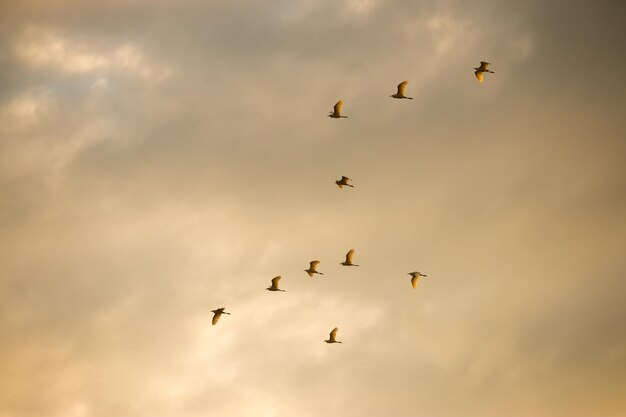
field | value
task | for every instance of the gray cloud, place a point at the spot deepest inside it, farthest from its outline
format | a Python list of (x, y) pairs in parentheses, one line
[(157, 162)]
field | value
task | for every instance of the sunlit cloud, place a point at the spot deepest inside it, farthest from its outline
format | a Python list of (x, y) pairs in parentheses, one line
[(48, 49)]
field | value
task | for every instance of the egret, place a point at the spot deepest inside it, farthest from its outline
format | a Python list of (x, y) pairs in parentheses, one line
[(217, 314), (484, 67), (313, 269), (332, 338), (336, 113), (343, 181), (348, 261), (401, 91), (274, 286), (415, 276)]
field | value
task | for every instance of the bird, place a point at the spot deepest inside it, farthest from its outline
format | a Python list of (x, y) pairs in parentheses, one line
[(336, 113), (274, 286), (415, 276), (313, 269), (484, 67), (332, 338), (217, 314), (401, 91), (348, 261), (343, 181)]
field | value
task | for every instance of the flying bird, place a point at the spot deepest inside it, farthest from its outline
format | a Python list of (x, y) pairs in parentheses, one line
[(313, 269), (274, 286), (217, 314), (348, 261), (343, 181), (415, 276), (401, 91), (332, 338), (336, 113), (484, 67)]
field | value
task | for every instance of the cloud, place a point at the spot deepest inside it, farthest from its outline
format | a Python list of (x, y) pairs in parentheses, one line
[(160, 162), (48, 49)]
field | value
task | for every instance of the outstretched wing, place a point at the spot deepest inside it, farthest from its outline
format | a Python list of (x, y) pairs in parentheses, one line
[(345, 179), (349, 256), (402, 87), (479, 75), (216, 317), (333, 335), (337, 108), (414, 280), (313, 265), (484, 65), (275, 282)]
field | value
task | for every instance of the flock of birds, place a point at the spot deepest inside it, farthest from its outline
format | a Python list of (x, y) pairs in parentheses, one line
[(345, 182)]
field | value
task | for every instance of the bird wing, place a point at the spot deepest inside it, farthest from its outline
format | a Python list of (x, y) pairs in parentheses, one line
[(333, 335), (479, 75), (216, 317), (337, 108), (484, 65), (414, 279), (275, 282), (349, 256), (402, 87), (314, 265), (345, 179)]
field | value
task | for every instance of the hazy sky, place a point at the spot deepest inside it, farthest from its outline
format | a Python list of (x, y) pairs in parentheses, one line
[(161, 159)]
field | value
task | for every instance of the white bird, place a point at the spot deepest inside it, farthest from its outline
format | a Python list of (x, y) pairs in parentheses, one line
[(401, 91), (217, 314), (343, 181), (348, 261), (336, 113), (313, 268), (415, 276), (332, 338), (274, 286), (484, 67)]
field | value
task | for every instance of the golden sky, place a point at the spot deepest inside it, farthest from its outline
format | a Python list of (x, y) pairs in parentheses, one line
[(162, 159)]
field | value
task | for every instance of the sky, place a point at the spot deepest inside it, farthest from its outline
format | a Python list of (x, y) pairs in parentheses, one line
[(162, 159)]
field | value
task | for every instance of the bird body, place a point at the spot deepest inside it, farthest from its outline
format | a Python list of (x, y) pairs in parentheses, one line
[(343, 181), (217, 314), (348, 261), (332, 338), (415, 277), (313, 268), (484, 67), (401, 91), (274, 286), (336, 113)]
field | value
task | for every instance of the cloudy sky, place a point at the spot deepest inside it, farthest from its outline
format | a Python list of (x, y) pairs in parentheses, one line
[(161, 159)]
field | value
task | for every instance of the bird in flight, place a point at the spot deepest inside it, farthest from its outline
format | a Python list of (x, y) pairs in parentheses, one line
[(217, 314), (313, 269), (274, 286), (401, 91), (343, 181), (332, 338), (415, 276), (484, 67), (348, 261), (336, 113)]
